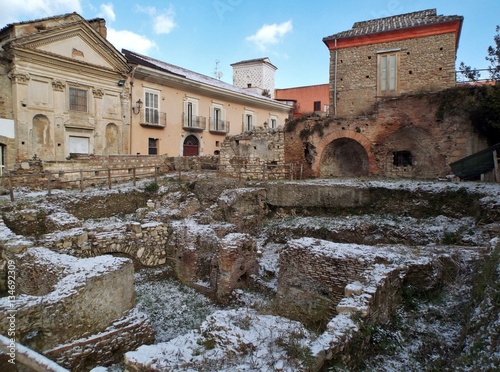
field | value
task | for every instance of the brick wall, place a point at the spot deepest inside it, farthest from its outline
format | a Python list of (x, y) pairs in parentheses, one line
[(312, 278), (407, 123)]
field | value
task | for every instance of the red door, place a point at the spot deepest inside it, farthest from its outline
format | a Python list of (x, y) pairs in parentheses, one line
[(191, 146)]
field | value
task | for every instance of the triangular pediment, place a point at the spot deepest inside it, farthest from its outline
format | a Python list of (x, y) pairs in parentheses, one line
[(76, 42)]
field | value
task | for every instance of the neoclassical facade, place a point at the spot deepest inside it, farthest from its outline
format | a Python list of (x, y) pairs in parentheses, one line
[(62, 90)]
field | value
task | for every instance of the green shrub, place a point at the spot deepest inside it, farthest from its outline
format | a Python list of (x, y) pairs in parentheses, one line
[(152, 187)]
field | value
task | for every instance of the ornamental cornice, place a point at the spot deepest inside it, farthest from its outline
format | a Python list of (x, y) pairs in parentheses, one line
[(33, 45), (98, 92), (58, 85), (19, 77), (100, 46), (55, 61)]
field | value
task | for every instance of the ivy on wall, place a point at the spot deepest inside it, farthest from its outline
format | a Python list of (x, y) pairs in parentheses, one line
[(481, 103)]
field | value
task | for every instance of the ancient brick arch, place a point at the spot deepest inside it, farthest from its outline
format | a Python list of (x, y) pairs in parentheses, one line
[(343, 153)]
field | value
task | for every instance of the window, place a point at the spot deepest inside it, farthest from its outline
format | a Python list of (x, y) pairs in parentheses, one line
[(217, 118), (218, 121), (387, 73), (77, 99), (273, 122), (151, 108), (191, 120), (153, 146), (402, 159), (189, 114), (248, 121), (317, 105)]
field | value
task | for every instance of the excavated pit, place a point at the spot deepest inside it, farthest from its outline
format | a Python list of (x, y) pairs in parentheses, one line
[(220, 235)]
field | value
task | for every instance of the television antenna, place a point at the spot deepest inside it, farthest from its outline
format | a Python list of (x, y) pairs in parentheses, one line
[(218, 74)]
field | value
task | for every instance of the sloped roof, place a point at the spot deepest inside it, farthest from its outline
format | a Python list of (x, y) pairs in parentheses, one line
[(60, 16), (261, 60), (29, 35), (140, 59), (398, 22)]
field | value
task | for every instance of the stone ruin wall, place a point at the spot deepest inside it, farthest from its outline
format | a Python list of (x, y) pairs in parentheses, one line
[(341, 285), (70, 313), (66, 174), (143, 242), (333, 274), (406, 123), (197, 257), (311, 284), (259, 154)]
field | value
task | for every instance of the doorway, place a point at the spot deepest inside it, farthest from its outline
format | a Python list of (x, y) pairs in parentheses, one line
[(191, 146)]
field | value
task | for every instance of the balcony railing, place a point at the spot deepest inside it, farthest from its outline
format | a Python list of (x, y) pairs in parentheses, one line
[(155, 119), (247, 128), (219, 126), (194, 123)]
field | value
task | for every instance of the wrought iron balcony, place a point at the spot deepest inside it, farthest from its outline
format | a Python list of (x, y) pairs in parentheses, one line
[(219, 126), (247, 128), (194, 123), (154, 119)]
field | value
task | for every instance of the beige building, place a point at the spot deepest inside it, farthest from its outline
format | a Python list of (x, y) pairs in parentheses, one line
[(62, 90), (179, 112)]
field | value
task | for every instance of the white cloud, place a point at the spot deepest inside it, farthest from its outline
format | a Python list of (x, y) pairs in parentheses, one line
[(18, 11), (107, 12), (270, 34), (124, 39), (163, 21)]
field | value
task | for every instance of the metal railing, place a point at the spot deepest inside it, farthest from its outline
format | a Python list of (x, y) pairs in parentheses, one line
[(194, 122), (155, 119), (219, 126)]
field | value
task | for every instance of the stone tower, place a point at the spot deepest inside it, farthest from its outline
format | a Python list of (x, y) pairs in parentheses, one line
[(256, 75)]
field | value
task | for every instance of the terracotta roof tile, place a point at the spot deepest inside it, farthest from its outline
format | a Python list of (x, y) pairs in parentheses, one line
[(402, 21)]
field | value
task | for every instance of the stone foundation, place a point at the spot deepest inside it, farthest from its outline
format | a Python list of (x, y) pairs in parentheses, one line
[(63, 300), (107, 347)]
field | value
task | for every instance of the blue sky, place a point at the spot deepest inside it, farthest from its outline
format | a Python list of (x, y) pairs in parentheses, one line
[(202, 35)]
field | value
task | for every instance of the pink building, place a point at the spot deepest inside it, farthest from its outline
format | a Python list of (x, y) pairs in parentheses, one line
[(306, 100)]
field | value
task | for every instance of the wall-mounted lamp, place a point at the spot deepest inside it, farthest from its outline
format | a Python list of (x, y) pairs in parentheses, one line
[(137, 107)]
